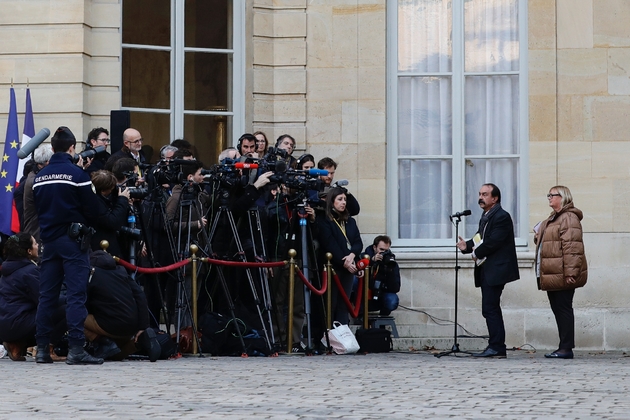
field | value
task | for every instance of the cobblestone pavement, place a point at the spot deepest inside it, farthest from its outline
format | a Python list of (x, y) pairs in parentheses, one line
[(382, 386)]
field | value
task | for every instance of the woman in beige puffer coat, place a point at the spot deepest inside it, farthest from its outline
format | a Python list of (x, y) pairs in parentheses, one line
[(561, 264)]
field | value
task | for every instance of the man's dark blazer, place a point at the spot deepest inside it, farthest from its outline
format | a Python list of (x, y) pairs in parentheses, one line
[(499, 248)]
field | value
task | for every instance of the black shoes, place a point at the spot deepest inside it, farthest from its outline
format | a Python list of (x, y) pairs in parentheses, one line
[(43, 354), (78, 356), (104, 348), (149, 343), (560, 354), (488, 352), (15, 350)]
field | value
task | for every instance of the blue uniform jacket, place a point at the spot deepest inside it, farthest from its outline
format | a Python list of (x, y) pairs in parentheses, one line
[(63, 194)]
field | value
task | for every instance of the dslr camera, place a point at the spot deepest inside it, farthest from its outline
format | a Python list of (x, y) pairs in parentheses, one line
[(388, 257)]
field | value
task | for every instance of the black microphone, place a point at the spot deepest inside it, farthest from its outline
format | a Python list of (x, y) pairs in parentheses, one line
[(32, 144), (462, 213)]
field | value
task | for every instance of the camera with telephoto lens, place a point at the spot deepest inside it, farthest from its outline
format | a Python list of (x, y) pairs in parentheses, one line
[(88, 153), (137, 193)]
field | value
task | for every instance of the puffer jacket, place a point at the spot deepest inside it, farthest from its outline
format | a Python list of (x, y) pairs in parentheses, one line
[(19, 296), (560, 250)]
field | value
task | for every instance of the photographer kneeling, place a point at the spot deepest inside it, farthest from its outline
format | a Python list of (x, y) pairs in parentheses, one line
[(385, 281), (118, 319)]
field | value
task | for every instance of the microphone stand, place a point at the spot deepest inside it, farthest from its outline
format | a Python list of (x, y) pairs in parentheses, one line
[(455, 349)]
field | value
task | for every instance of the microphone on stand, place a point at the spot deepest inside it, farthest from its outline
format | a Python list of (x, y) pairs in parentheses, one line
[(460, 214)]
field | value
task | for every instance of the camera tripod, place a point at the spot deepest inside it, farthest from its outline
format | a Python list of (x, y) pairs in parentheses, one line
[(253, 217), (156, 223), (299, 228)]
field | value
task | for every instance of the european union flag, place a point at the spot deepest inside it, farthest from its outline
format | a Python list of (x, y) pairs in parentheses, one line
[(8, 168)]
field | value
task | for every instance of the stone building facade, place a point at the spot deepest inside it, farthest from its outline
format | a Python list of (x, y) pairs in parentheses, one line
[(320, 71)]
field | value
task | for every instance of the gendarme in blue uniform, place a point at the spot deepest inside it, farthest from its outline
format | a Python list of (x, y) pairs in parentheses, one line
[(63, 194)]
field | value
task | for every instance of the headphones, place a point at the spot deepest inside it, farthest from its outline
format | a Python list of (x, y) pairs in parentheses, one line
[(303, 158), (282, 137), (246, 136)]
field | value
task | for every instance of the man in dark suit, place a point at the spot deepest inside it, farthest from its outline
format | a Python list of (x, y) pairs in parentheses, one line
[(132, 147), (495, 264)]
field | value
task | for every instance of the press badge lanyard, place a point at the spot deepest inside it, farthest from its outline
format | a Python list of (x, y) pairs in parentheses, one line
[(343, 230)]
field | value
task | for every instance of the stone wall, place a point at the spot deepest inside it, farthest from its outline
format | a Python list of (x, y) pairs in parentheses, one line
[(68, 52)]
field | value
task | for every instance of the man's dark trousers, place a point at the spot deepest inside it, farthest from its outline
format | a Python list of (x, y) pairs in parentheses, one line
[(63, 260), (491, 311)]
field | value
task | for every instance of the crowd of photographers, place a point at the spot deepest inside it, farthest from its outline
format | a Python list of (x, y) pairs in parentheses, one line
[(258, 202)]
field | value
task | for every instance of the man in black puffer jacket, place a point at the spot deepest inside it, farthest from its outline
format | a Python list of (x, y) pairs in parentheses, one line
[(118, 317)]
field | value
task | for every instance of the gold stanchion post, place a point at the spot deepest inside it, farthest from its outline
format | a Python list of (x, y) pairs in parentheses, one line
[(194, 249), (289, 333), (366, 291), (329, 274), (104, 245)]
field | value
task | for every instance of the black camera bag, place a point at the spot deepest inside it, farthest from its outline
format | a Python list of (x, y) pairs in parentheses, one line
[(374, 340)]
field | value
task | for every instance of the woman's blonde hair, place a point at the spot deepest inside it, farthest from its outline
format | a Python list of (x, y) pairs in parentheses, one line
[(565, 194)]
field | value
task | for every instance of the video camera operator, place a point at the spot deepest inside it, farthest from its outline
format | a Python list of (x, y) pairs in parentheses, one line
[(385, 281), (193, 181)]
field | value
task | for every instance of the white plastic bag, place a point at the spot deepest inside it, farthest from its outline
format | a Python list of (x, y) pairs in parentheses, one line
[(341, 339)]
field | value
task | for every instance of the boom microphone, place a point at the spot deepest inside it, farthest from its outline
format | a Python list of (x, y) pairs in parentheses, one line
[(462, 213), (32, 144), (340, 183), (241, 165)]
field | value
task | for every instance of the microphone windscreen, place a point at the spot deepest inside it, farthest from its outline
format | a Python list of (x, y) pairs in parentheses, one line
[(361, 264), (32, 144), (317, 172), (241, 165)]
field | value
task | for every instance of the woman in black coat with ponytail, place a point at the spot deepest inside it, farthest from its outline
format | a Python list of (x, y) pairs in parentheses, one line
[(339, 235)]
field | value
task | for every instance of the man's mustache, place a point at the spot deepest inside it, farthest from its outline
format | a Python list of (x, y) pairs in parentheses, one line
[(481, 201)]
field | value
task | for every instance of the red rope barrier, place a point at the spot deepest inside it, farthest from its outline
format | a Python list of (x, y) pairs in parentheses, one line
[(353, 310), (146, 270), (310, 286), (243, 264)]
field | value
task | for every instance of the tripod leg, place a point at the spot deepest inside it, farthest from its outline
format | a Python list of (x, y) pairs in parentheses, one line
[(262, 272), (222, 281), (249, 278)]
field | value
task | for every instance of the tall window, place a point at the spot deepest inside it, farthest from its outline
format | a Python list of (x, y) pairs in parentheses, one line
[(458, 91), (182, 72)]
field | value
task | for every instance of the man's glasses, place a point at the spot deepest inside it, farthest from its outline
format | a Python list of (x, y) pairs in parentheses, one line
[(104, 140), (140, 140), (553, 195)]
